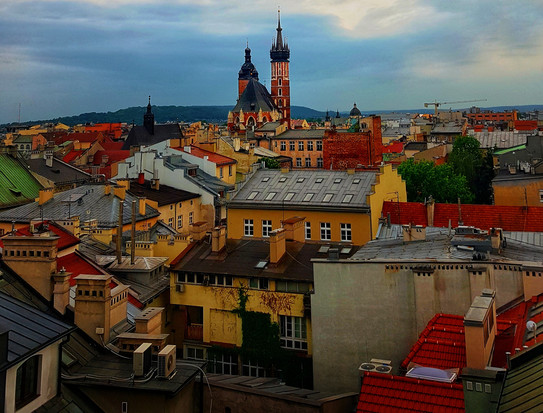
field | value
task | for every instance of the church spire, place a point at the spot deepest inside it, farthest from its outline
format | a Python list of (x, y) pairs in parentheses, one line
[(279, 50), (149, 119)]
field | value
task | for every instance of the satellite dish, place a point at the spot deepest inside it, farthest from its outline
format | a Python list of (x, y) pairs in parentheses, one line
[(531, 325)]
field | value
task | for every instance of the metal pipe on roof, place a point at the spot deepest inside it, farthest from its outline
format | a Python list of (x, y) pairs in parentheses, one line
[(120, 231), (133, 234)]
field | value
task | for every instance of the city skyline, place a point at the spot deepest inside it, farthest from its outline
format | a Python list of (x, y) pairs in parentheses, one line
[(71, 56)]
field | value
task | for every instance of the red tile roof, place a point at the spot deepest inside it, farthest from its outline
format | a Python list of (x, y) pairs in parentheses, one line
[(83, 136), (110, 145), (509, 218), (212, 156), (66, 239), (394, 147), (70, 156), (441, 345), (387, 393), (113, 156), (76, 265)]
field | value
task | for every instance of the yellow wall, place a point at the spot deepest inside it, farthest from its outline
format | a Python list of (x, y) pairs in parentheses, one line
[(388, 186), (360, 222), (519, 192), (170, 213), (228, 174), (223, 326)]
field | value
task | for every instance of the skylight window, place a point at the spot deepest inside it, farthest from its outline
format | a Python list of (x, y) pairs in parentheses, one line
[(270, 196), (282, 179), (289, 196), (337, 180), (356, 181), (252, 195), (300, 180), (347, 198), (318, 180), (308, 197), (328, 197), (266, 179)]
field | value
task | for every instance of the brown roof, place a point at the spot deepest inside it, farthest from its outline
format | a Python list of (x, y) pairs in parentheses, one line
[(164, 196)]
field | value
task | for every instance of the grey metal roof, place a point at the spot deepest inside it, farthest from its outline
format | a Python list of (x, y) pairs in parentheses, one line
[(29, 330), (332, 190), (59, 173), (437, 247), (139, 135), (447, 128), (87, 202), (255, 97), (499, 139), (269, 127), (302, 134)]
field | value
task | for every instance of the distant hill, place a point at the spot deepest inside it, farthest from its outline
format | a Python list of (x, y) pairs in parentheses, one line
[(219, 114)]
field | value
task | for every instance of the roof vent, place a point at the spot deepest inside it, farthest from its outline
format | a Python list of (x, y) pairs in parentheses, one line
[(377, 366), (433, 374)]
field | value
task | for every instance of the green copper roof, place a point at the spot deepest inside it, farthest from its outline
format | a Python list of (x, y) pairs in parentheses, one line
[(17, 185), (507, 150)]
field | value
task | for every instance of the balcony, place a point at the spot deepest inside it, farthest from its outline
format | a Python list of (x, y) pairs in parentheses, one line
[(194, 332)]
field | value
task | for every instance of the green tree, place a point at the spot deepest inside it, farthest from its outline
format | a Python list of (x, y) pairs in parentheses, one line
[(271, 163), (423, 179)]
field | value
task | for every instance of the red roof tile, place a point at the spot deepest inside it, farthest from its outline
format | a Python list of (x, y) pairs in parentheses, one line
[(387, 393), (509, 218), (113, 156), (83, 136), (76, 265), (212, 156), (66, 239), (70, 156), (395, 147)]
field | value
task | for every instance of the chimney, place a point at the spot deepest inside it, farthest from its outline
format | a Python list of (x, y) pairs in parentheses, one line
[(198, 230), (93, 305), (294, 229), (124, 182), (45, 195), (133, 232), (34, 259), (413, 233), (430, 208), (218, 239), (278, 245), (532, 281), (48, 158), (119, 191), (480, 330), (141, 178), (149, 321), (107, 188), (61, 291), (496, 238)]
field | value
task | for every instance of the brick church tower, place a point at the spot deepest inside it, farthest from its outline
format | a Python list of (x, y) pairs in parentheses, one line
[(280, 83)]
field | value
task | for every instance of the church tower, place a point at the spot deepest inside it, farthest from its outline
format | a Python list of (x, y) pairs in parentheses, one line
[(280, 83), (247, 72), (149, 119)]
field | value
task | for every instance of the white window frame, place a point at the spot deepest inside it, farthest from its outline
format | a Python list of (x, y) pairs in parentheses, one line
[(320, 163), (248, 228), (326, 231), (283, 146), (253, 369), (308, 162), (266, 227), (180, 221), (293, 332), (309, 145), (191, 218), (307, 229), (223, 364), (298, 162), (292, 145), (346, 232), (319, 145), (300, 145)]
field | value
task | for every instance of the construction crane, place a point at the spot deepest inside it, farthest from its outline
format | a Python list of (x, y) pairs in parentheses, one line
[(438, 104)]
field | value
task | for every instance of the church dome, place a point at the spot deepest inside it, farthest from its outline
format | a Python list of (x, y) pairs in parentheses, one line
[(355, 111)]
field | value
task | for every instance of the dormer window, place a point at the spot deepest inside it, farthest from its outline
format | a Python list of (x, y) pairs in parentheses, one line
[(192, 172)]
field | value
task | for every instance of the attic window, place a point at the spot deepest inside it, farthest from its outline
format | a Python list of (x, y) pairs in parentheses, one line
[(282, 179), (318, 180), (356, 181), (337, 180), (266, 179), (289, 196), (270, 196), (308, 197), (300, 180), (252, 195), (328, 197), (15, 191), (347, 198)]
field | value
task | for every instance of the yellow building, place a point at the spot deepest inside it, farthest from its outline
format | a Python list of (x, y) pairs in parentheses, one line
[(225, 167), (216, 289), (338, 206)]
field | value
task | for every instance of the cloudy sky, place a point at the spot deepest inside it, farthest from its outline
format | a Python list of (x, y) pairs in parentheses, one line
[(65, 57)]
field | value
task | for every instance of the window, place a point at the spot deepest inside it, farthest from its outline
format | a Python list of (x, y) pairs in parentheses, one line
[(292, 145), (337, 180), (309, 145), (356, 181), (299, 162), (26, 382), (223, 363), (229, 170), (195, 353), (293, 332), (318, 181), (289, 196), (308, 162), (319, 145), (320, 163), (282, 179), (326, 233), (541, 195), (279, 92), (266, 227), (191, 217), (327, 197), (347, 198), (300, 180), (308, 197), (291, 286), (345, 232), (253, 369), (220, 280), (270, 196), (266, 179), (258, 283), (307, 230), (221, 172), (300, 145), (280, 82), (283, 146), (252, 195), (248, 230), (180, 221)]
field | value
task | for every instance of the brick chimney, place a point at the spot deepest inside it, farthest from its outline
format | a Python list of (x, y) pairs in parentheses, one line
[(294, 229), (61, 291), (480, 330), (45, 195), (278, 245), (532, 281), (141, 206), (34, 259), (218, 239), (430, 208), (198, 230), (149, 321), (413, 233), (496, 239), (92, 306), (119, 191)]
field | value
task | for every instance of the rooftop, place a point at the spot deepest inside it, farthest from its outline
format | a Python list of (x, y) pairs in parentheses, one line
[(59, 173), (214, 157), (302, 134), (254, 98), (17, 185), (306, 189), (499, 139), (139, 135), (164, 196)]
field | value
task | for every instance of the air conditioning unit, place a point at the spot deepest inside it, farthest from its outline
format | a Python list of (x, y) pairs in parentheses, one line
[(166, 361), (142, 359), (179, 288), (376, 366)]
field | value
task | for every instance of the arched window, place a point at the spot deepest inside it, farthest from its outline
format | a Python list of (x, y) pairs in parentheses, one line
[(27, 381), (279, 92), (280, 102), (264, 119), (280, 82), (251, 121), (236, 121)]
